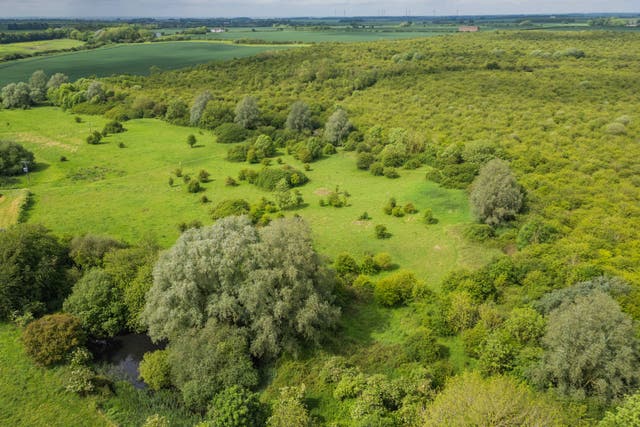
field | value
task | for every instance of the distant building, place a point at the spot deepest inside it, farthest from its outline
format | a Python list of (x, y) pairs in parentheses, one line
[(217, 30), (158, 35), (468, 29)]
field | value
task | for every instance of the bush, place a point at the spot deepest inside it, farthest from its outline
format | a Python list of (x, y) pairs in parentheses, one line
[(421, 346), (155, 370), (397, 212), (94, 138), (395, 289), (51, 338), (409, 208), (230, 207), (268, 178), (376, 169), (194, 186), (381, 231), (230, 182), (236, 407), (87, 251), (12, 156), (365, 160), (228, 133), (428, 218), (495, 195), (383, 261), (390, 173), (113, 126), (346, 266)]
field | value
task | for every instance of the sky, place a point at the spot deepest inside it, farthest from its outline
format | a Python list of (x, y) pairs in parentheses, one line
[(290, 8)]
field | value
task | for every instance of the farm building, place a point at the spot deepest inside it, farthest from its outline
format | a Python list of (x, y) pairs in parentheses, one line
[(468, 29), (217, 30)]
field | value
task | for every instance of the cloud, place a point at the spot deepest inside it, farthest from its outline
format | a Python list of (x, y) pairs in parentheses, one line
[(284, 8)]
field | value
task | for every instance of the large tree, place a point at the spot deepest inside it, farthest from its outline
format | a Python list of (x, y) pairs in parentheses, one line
[(591, 349), (337, 127), (38, 86), (299, 118), (247, 113), (199, 104), (33, 267), (269, 281), (13, 157), (495, 193)]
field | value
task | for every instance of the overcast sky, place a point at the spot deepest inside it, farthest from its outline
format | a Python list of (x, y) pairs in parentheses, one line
[(287, 8)]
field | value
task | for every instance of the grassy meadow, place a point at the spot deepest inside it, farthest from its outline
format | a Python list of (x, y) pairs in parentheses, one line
[(35, 396), (124, 192), (30, 48), (126, 59), (12, 206)]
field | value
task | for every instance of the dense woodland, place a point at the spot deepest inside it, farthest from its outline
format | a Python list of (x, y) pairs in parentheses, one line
[(540, 128)]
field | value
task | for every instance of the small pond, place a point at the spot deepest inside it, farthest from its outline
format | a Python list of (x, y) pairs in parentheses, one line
[(123, 354)]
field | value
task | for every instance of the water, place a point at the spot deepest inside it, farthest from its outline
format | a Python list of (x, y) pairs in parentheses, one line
[(123, 355)]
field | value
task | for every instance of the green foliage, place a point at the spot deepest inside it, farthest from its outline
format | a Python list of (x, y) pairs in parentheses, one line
[(337, 128), (627, 414), (605, 284), (16, 95), (428, 218), (395, 289), (206, 361), (50, 339), (468, 399), (299, 118), (289, 410), (198, 108), (191, 140), (155, 370), (32, 270), (231, 207), (194, 186), (421, 346), (228, 133), (268, 178), (87, 251), (479, 232), (94, 138), (247, 113), (156, 421), (96, 301), (12, 158), (591, 349), (113, 126), (263, 268), (236, 407), (495, 194), (177, 112), (383, 261), (381, 231), (346, 266)]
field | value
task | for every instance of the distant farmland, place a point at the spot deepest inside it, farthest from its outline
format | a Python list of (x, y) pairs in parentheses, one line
[(126, 59)]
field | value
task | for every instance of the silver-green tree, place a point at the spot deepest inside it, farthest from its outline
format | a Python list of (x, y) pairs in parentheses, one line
[(199, 104), (299, 118), (247, 113), (495, 194), (337, 127)]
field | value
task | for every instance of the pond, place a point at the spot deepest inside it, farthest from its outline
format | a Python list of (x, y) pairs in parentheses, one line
[(123, 354)]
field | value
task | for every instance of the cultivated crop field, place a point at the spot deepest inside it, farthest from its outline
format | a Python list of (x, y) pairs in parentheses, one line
[(29, 48), (124, 192), (127, 59)]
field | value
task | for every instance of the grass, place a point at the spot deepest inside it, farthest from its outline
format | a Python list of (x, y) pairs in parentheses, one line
[(12, 206), (126, 59), (34, 396), (30, 48), (124, 192)]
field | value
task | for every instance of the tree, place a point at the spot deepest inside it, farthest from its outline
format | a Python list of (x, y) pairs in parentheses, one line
[(16, 95), (236, 407), (12, 158), (33, 267), (395, 289), (299, 118), (627, 414), (198, 107), (87, 251), (247, 113), (470, 400), (52, 338), (177, 112), (205, 361), (495, 194), (191, 140), (289, 409), (337, 127), (38, 86), (95, 93), (57, 80), (591, 349), (96, 301), (155, 370), (269, 281)]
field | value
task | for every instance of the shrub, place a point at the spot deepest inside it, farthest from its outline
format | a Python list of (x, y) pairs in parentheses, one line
[(365, 160), (228, 133), (236, 407), (390, 173), (409, 208), (230, 207), (230, 182), (113, 126), (615, 129), (203, 175), (428, 218), (495, 195), (12, 156), (397, 212), (268, 178), (376, 169), (94, 138), (421, 346), (155, 370), (383, 261), (388, 208), (80, 380), (346, 266), (381, 231), (395, 289), (368, 265), (87, 251), (194, 186), (191, 140), (364, 217), (479, 232), (51, 338), (156, 420)]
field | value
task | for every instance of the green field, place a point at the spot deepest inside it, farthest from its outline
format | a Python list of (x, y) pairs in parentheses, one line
[(126, 59), (30, 48), (342, 34), (124, 192), (12, 203), (35, 396)]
